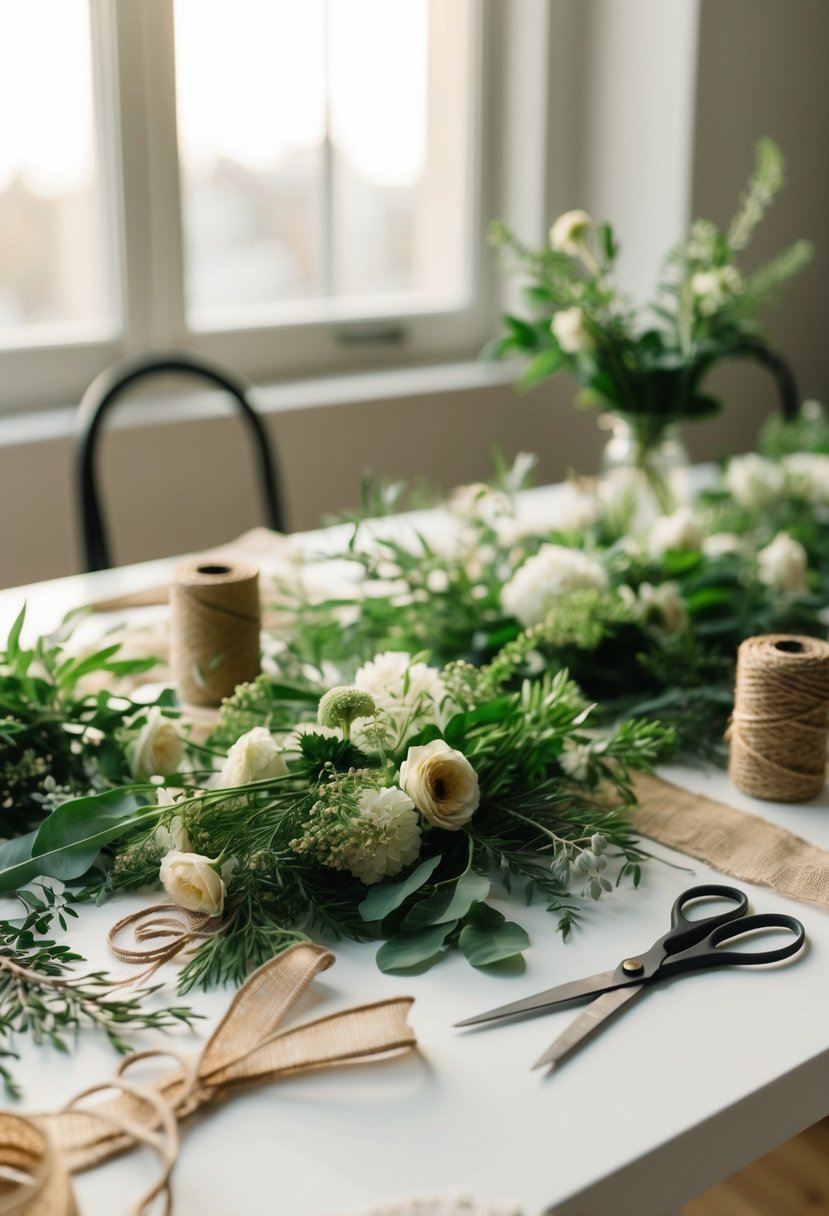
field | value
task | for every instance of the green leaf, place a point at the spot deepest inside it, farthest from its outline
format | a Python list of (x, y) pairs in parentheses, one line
[(67, 843), (13, 643), (542, 367), (410, 949), (386, 896), (451, 901), (522, 332), (607, 242), (481, 945)]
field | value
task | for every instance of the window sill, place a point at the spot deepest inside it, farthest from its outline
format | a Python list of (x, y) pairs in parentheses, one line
[(345, 390)]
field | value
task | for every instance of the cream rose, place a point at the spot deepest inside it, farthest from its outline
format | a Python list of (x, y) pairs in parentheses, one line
[(253, 757), (157, 748), (442, 784), (783, 564), (191, 882), (569, 231), (571, 331)]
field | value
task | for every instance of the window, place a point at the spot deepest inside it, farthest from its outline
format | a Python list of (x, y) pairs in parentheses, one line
[(295, 188)]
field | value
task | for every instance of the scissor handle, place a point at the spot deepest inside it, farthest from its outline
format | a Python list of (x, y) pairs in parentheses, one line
[(707, 952), (685, 931)]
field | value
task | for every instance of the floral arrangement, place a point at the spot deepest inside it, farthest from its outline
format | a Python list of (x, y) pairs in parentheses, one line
[(648, 371), (462, 720)]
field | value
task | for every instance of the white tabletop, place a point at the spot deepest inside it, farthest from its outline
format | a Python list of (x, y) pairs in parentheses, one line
[(699, 1077)]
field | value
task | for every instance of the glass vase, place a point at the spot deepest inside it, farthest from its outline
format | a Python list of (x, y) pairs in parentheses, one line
[(645, 472)]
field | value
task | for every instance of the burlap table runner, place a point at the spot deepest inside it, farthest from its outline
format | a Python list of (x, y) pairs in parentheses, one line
[(735, 842)]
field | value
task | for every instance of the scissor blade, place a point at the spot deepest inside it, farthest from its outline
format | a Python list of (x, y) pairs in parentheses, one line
[(588, 1021), (543, 1000)]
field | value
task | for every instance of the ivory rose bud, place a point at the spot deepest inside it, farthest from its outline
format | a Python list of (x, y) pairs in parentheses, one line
[(569, 231), (442, 784), (157, 748), (191, 882), (571, 331), (783, 563), (253, 757)]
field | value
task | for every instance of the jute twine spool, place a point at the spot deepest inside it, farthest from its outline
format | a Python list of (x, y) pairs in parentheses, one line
[(779, 724), (214, 642)]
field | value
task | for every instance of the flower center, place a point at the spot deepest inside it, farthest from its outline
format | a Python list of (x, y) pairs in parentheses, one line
[(439, 788)]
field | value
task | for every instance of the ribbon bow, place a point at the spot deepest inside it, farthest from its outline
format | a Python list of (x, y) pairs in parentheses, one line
[(246, 1046)]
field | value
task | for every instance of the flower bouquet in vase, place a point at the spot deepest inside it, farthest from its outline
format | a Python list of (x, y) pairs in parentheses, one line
[(647, 372)]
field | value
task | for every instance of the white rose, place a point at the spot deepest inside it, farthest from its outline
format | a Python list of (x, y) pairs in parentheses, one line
[(191, 882), (157, 748), (662, 605), (571, 331), (783, 564), (442, 784), (807, 476), (545, 577), (677, 531), (753, 481), (568, 231), (253, 757), (720, 544)]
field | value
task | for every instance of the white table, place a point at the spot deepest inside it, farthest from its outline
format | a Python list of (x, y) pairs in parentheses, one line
[(702, 1076)]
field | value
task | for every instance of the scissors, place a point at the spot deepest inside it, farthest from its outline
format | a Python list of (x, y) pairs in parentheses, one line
[(689, 945)]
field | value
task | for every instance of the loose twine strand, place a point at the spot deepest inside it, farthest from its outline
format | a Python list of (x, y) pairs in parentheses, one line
[(778, 729), (37, 1153)]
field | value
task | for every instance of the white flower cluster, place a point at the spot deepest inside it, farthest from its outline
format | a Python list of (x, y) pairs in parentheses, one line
[(783, 564), (679, 530), (661, 606), (755, 482), (409, 694), (714, 288), (545, 577)]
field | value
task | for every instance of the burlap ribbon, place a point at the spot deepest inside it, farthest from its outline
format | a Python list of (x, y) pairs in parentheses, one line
[(735, 842), (36, 1153)]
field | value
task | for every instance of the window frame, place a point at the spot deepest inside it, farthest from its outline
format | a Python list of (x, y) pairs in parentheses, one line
[(134, 65)]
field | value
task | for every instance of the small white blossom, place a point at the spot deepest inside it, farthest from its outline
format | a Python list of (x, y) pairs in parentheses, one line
[(479, 501), (714, 288), (575, 759), (569, 231), (783, 564), (680, 530), (571, 331), (545, 577), (662, 605), (753, 481), (720, 544)]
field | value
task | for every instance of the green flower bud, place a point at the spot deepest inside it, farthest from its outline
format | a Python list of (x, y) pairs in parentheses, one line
[(341, 705)]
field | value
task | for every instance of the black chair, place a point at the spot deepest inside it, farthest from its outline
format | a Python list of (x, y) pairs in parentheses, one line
[(105, 391)]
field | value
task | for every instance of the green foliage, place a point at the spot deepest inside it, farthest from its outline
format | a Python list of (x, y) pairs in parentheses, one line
[(41, 995), (648, 372)]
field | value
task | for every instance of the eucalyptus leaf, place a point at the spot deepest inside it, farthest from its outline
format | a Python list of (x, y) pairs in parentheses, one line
[(482, 945), (386, 896), (69, 840), (541, 367), (406, 950), (451, 901)]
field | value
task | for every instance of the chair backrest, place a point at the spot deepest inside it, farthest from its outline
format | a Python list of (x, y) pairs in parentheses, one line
[(102, 395)]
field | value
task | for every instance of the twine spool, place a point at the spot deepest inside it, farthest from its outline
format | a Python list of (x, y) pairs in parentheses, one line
[(214, 641), (778, 727)]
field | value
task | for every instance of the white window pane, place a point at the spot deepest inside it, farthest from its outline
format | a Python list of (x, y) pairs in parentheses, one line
[(54, 264), (323, 149)]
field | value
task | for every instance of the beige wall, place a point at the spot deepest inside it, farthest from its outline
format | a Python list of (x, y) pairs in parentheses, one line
[(180, 486)]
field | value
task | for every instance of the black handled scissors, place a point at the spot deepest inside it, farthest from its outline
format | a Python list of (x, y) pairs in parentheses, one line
[(689, 945)]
